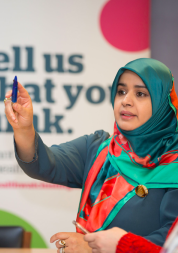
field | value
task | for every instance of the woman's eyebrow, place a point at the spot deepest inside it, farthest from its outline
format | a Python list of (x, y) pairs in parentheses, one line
[(135, 86), (122, 84), (140, 86)]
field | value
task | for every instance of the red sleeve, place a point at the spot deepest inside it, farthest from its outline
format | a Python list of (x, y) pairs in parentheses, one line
[(131, 243)]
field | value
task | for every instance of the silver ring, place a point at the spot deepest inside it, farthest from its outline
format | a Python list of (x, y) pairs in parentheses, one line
[(62, 243), (61, 250)]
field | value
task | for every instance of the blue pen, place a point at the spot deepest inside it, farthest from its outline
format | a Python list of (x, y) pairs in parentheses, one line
[(14, 90)]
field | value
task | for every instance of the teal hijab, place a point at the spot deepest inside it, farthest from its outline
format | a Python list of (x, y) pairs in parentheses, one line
[(158, 135)]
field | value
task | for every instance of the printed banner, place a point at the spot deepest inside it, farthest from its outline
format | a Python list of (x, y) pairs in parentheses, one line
[(66, 54)]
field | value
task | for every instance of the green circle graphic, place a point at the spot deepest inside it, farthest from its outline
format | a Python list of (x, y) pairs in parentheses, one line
[(9, 219)]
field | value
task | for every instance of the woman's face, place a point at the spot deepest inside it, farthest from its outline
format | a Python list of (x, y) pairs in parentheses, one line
[(132, 104)]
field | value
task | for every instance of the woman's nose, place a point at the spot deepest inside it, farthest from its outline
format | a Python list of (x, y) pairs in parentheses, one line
[(127, 100)]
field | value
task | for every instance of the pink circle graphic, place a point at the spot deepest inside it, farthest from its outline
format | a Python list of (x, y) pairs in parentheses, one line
[(125, 24)]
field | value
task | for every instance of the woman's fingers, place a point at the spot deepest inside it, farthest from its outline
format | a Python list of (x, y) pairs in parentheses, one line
[(9, 112), (18, 99), (20, 110), (22, 91), (89, 237), (8, 94), (58, 245), (59, 236), (105, 241), (11, 109), (74, 242)]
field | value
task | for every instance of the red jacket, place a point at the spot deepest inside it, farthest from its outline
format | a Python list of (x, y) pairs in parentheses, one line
[(132, 243)]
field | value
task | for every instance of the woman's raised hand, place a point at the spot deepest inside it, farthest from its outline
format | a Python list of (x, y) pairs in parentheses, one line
[(74, 242), (20, 116), (104, 241)]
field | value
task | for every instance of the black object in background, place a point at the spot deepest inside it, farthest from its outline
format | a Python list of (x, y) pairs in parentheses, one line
[(11, 237)]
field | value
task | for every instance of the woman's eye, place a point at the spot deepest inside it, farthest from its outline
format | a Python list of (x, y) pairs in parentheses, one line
[(141, 94), (121, 92)]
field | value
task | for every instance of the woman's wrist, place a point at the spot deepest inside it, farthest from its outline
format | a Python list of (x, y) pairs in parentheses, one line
[(25, 143)]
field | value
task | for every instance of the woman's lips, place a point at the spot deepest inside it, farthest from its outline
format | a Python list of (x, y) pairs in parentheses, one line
[(127, 115)]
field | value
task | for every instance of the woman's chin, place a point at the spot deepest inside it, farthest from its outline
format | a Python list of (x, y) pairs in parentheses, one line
[(127, 127)]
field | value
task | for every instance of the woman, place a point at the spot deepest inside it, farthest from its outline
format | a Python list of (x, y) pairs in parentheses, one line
[(129, 180)]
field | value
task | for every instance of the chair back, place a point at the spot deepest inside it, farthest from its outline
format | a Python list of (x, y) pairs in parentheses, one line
[(14, 237), (26, 239)]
